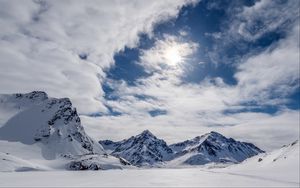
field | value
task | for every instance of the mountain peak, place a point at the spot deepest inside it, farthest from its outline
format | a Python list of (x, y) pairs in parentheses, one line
[(147, 133), (142, 149), (213, 147), (213, 133), (33, 95)]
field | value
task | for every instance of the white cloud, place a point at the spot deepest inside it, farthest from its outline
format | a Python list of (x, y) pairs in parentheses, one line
[(246, 25), (167, 54), (40, 42), (266, 79), (267, 131), (275, 71), (263, 17), (193, 109)]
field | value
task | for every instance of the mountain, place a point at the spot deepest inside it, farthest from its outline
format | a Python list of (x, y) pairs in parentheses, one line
[(34, 127), (212, 147), (146, 149), (140, 150), (52, 122)]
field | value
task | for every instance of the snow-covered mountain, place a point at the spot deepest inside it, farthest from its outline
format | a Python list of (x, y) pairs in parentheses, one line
[(49, 128), (140, 150), (212, 147), (146, 149), (49, 121)]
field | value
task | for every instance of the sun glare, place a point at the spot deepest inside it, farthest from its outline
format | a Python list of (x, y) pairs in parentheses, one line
[(172, 55)]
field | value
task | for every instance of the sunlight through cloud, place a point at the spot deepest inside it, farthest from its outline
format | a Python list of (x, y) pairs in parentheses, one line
[(168, 53), (172, 55)]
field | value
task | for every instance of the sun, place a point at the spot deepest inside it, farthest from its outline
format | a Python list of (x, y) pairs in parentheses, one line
[(172, 55)]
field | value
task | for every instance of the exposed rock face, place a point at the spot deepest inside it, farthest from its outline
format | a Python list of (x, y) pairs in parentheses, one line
[(97, 162), (64, 123)]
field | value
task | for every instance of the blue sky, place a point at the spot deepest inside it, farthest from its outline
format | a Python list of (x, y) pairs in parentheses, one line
[(179, 68), (200, 22)]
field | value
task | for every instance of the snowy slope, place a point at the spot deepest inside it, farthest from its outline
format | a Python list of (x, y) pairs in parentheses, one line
[(212, 147), (140, 150), (48, 127), (10, 163), (279, 164)]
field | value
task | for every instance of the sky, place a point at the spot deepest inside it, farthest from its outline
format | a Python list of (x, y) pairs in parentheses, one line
[(179, 68)]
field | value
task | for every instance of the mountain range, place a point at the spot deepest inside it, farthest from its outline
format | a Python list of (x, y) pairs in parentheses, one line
[(147, 149), (38, 132)]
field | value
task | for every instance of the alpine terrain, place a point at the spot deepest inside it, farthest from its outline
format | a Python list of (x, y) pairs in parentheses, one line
[(147, 149), (38, 132)]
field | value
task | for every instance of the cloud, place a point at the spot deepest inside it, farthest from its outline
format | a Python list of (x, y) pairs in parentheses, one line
[(167, 54), (247, 26), (41, 43), (274, 72), (265, 16), (267, 131), (263, 79)]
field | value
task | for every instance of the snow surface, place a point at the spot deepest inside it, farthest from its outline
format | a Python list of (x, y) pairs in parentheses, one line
[(276, 165), (189, 177), (281, 172)]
